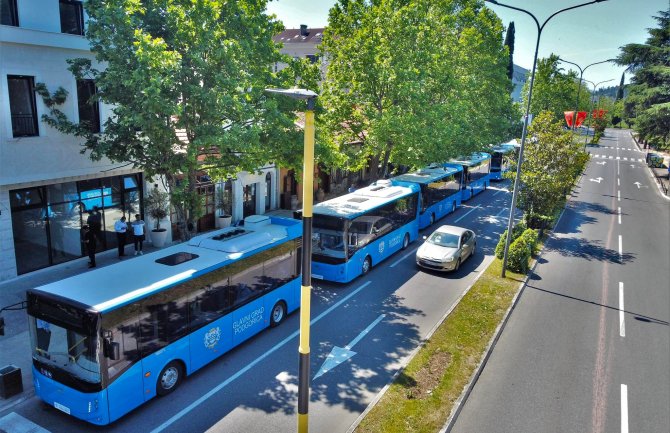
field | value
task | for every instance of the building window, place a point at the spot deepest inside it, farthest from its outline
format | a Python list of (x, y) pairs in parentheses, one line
[(89, 108), (8, 13), (71, 17), (22, 105)]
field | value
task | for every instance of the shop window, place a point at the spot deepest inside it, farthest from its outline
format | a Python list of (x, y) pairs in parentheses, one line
[(22, 105)]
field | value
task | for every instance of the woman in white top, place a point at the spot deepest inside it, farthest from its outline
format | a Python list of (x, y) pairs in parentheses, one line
[(138, 234)]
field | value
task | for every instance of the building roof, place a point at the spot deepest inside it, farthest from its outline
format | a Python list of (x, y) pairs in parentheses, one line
[(294, 36)]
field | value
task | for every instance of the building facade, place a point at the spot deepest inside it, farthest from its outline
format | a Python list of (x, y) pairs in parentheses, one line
[(48, 189)]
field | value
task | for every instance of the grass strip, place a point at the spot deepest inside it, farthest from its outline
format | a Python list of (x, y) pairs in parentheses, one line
[(422, 396)]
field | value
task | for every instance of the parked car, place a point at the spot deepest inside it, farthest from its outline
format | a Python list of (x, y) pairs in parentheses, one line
[(446, 248)]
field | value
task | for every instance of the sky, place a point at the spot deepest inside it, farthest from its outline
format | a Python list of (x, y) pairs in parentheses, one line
[(583, 36)]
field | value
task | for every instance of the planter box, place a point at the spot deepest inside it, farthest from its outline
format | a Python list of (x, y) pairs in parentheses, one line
[(11, 382), (158, 238)]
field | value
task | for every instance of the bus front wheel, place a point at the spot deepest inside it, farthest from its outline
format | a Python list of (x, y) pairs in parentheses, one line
[(278, 314), (169, 378), (453, 207), (405, 241), (367, 265)]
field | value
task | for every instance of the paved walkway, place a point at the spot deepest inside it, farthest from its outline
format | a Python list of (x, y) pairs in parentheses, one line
[(661, 174)]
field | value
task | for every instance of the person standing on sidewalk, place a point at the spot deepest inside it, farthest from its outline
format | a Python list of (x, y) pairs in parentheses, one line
[(120, 227), (90, 244), (138, 234)]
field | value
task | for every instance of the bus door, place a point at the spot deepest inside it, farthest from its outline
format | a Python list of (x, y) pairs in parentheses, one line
[(248, 314)]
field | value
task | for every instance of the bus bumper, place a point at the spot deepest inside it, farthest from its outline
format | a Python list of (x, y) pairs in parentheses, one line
[(90, 407)]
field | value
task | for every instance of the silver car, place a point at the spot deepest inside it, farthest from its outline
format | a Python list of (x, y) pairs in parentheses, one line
[(446, 248)]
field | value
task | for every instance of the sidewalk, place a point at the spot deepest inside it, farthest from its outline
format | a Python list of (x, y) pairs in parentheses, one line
[(660, 173), (15, 344)]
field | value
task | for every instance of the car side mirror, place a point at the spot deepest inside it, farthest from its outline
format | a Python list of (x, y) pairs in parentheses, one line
[(111, 349)]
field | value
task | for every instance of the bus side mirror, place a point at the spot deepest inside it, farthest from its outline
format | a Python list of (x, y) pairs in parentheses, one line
[(112, 349)]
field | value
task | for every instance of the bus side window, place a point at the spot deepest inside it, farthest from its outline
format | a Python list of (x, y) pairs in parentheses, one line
[(121, 327)]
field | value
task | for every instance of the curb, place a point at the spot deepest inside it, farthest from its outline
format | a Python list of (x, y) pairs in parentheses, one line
[(651, 172), (423, 342)]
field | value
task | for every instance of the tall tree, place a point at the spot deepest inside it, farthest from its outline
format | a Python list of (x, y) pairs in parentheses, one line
[(551, 161), (554, 90), (186, 81), (509, 43), (413, 82), (619, 92), (648, 101)]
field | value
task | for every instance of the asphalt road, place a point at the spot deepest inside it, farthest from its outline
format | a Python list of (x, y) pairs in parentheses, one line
[(254, 387), (587, 348)]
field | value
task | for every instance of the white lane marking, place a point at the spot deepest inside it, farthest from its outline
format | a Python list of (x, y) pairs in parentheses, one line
[(619, 212), (618, 182), (618, 157), (401, 259), (501, 211), (625, 158), (252, 364), (624, 408), (612, 157), (468, 213), (622, 325), (15, 423), (620, 246), (639, 160), (617, 168), (618, 195)]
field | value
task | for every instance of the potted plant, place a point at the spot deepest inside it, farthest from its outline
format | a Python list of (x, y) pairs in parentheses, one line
[(223, 203), (156, 204)]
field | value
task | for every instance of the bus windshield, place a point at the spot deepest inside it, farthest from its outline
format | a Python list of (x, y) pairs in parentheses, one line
[(328, 238), (65, 351)]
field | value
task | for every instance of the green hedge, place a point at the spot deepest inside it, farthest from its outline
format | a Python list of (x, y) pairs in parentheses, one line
[(516, 232), (521, 250)]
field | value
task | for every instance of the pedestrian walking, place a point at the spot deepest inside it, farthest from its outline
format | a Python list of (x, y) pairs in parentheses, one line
[(138, 234), (120, 227), (90, 244)]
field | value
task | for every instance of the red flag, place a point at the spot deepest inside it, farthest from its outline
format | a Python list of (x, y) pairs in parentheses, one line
[(581, 116), (568, 117)]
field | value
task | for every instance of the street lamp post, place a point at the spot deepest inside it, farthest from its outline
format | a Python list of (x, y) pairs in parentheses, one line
[(510, 223), (306, 288), (593, 97), (579, 88)]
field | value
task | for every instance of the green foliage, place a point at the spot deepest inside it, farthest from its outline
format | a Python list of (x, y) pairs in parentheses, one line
[(648, 102), (517, 230), (519, 254), (530, 237), (509, 43), (224, 201), (551, 162), (413, 82), (157, 205), (186, 82), (554, 90)]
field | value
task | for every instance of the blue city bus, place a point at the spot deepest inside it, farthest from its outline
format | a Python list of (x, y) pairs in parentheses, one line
[(105, 341), (354, 232), (440, 191), (501, 157), (476, 173)]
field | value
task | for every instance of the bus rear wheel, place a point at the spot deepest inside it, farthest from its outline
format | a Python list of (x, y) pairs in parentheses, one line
[(278, 314), (405, 241), (453, 207), (367, 265), (169, 379)]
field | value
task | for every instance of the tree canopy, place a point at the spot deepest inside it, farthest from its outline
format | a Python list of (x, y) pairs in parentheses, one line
[(509, 43), (185, 80), (554, 90), (648, 103), (413, 82)]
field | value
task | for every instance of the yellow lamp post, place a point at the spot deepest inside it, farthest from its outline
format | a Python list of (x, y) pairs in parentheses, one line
[(306, 289)]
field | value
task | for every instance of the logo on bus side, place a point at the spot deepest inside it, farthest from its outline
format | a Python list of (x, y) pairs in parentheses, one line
[(381, 247), (212, 337)]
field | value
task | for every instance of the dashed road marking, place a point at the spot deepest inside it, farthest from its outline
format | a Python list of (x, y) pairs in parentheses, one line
[(15, 423)]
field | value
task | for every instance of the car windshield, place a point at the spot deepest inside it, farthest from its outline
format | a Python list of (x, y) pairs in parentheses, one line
[(448, 240), (65, 350)]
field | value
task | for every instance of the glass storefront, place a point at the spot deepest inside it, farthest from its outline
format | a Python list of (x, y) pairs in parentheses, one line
[(47, 220)]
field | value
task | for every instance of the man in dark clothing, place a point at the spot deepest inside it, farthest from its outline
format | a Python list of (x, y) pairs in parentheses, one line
[(90, 244), (94, 222)]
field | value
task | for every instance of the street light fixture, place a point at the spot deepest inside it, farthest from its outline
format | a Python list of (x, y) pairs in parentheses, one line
[(595, 85), (579, 88), (306, 288), (525, 118)]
